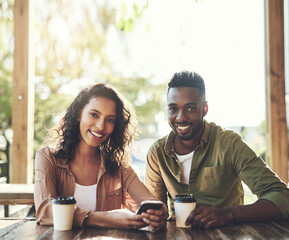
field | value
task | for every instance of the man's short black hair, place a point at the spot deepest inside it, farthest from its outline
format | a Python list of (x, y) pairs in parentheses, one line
[(188, 79)]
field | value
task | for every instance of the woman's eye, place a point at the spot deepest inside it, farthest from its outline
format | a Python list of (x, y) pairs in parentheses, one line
[(93, 114), (111, 120)]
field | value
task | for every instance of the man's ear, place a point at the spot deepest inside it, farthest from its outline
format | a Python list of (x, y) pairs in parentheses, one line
[(206, 108)]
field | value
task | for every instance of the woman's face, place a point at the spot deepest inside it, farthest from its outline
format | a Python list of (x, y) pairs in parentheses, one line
[(97, 121)]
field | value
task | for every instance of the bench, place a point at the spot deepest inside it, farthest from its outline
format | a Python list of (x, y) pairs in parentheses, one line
[(16, 194)]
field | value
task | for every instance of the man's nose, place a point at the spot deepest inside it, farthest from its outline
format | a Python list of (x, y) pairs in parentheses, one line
[(181, 116)]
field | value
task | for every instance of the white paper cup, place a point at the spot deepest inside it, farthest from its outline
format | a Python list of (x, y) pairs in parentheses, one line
[(184, 205), (63, 211)]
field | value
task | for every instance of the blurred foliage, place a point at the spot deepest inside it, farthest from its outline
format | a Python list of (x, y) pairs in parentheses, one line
[(70, 54), (128, 15), (6, 77)]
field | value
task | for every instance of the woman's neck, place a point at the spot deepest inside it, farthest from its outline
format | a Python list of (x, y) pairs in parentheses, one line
[(86, 154)]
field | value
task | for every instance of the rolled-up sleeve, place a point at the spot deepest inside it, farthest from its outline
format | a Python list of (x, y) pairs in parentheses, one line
[(261, 180)]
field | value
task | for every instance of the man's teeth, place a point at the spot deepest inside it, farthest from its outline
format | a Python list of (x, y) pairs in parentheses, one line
[(96, 134), (183, 127)]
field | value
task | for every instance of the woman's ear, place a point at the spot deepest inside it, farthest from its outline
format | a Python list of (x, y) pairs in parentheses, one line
[(206, 108)]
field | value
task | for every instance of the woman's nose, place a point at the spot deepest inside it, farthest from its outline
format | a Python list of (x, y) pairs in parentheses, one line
[(100, 124)]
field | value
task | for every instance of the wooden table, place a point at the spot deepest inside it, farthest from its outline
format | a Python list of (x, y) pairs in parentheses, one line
[(12, 194), (28, 229)]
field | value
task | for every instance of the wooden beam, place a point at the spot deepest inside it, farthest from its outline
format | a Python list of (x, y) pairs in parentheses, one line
[(277, 144), (23, 93)]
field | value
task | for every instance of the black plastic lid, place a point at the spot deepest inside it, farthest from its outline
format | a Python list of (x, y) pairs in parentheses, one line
[(185, 198), (63, 200)]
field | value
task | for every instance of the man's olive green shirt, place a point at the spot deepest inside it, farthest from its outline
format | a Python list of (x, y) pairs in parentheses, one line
[(219, 164)]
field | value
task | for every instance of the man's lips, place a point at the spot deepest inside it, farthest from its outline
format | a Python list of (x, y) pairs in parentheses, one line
[(182, 127), (96, 134)]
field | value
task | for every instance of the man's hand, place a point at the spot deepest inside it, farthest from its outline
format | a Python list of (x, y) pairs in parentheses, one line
[(209, 217), (156, 219)]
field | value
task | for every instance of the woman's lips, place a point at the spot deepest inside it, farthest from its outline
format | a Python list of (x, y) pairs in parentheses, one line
[(96, 134)]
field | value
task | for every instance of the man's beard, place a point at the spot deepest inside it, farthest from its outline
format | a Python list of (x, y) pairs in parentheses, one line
[(192, 135)]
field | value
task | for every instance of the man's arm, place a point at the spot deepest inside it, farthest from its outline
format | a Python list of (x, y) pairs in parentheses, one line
[(208, 217), (273, 194), (153, 178)]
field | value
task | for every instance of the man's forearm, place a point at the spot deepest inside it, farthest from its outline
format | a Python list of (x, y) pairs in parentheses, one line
[(261, 210)]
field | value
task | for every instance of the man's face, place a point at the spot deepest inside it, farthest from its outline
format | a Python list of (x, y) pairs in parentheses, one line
[(186, 109)]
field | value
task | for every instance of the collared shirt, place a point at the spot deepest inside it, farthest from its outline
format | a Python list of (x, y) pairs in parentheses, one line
[(54, 178), (220, 162)]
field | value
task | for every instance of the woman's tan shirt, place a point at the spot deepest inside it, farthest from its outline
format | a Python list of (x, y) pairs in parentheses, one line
[(53, 178)]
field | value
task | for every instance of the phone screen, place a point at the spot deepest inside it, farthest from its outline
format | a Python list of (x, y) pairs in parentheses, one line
[(145, 205)]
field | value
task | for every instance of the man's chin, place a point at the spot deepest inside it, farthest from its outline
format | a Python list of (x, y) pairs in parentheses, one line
[(185, 137)]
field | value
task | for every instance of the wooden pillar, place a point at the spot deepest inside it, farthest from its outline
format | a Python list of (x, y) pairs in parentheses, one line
[(23, 93), (277, 144)]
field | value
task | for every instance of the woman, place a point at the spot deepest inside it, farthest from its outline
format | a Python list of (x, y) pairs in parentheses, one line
[(90, 161)]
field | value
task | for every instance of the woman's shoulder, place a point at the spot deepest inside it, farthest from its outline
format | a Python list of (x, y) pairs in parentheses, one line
[(44, 156), (127, 172), (46, 151)]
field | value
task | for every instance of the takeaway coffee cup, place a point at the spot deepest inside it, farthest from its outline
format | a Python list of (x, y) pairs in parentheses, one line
[(63, 210), (184, 204)]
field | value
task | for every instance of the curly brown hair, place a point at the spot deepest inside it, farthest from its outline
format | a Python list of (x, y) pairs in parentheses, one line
[(115, 147)]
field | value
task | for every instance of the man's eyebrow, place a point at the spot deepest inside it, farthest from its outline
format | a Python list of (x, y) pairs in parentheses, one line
[(172, 104), (191, 103)]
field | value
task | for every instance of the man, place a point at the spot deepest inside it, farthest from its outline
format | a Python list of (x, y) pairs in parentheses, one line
[(210, 162)]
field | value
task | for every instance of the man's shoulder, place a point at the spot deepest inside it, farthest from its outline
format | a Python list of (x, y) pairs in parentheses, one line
[(223, 132), (159, 143)]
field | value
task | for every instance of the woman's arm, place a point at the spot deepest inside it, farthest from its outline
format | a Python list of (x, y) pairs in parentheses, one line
[(45, 187), (120, 218), (156, 219)]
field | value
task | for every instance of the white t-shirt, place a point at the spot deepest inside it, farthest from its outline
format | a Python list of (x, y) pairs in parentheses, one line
[(85, 196), (186, 162)]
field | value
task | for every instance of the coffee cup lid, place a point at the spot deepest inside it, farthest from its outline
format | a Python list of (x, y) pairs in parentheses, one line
[(184, 198), (63, 200)]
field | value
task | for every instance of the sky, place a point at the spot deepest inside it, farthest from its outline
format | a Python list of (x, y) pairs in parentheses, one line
[(221, 40)]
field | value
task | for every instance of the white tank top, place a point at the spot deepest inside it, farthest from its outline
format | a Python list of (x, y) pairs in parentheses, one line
[(85, 196), (186, 162)]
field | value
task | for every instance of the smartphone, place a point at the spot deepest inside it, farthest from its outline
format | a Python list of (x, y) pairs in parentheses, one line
[(153, 204)]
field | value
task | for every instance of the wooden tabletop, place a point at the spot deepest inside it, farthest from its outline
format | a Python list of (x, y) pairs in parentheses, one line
[(28, 229)]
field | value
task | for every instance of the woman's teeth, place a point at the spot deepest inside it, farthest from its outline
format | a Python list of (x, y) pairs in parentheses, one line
[(96, 134)]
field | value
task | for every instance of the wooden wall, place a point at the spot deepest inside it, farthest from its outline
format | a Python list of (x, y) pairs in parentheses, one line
[(23, 93), (277, 136)]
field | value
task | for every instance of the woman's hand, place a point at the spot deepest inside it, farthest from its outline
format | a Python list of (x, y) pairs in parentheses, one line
[(209, 217), (156, 219), (119, 218)]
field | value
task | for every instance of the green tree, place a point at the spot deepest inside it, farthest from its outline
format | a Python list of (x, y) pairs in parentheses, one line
[(70, 54), (6, 63)]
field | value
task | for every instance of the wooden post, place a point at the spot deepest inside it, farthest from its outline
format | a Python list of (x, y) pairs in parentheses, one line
[(23, 93), (277, 144)]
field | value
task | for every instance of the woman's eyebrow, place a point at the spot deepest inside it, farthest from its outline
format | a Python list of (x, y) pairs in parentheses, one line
[(95, 110)]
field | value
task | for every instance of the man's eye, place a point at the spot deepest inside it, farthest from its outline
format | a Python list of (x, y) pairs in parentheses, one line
[(172, 109), (192, 109)]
